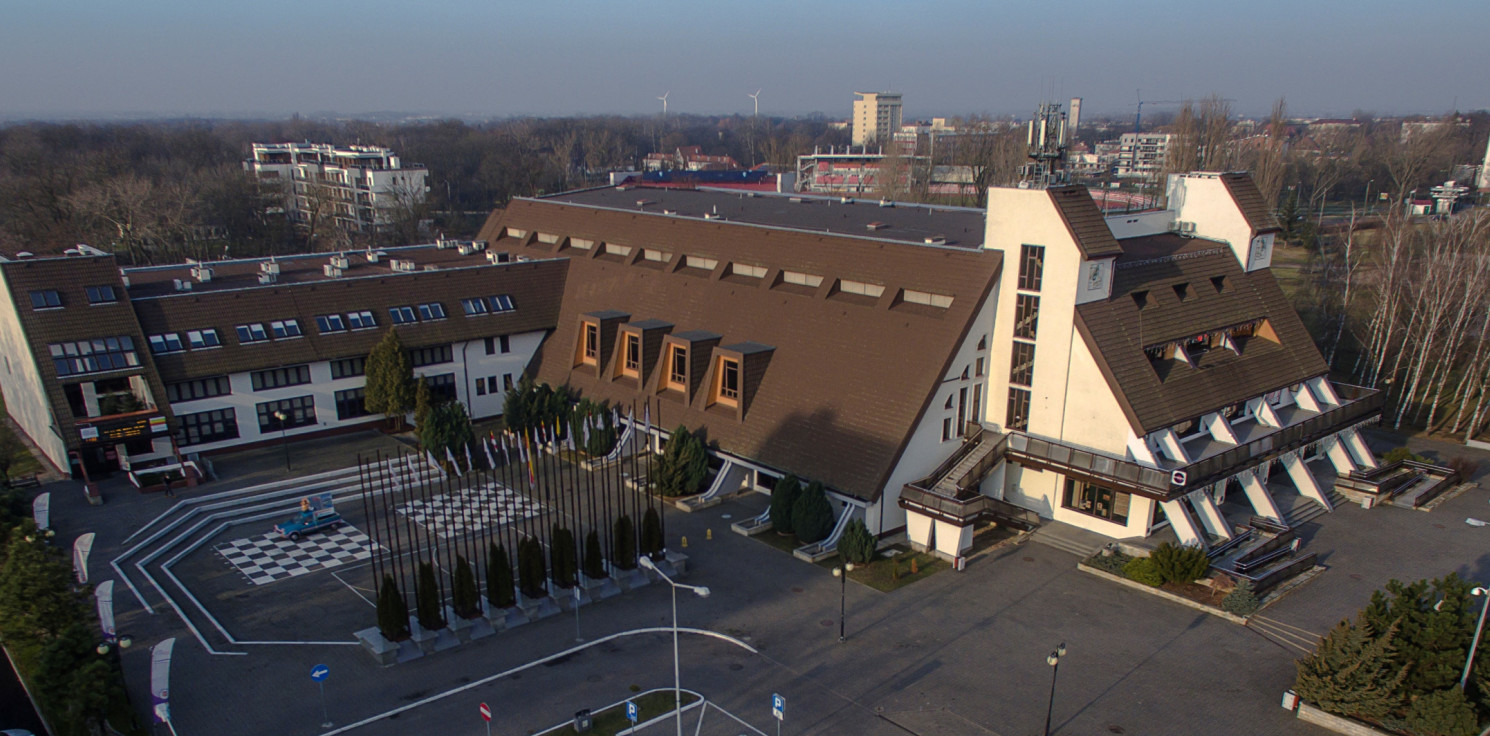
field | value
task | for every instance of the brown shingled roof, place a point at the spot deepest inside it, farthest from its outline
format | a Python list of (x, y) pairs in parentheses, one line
[(1249, 199), (534, 286), (1085, 222), (1117, 331), (847, 377)]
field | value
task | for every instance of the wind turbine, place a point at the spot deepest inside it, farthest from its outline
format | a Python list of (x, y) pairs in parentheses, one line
[(757, 98), (664, 102)]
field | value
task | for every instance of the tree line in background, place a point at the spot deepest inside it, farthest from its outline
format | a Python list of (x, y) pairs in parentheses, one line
[(161, 192)]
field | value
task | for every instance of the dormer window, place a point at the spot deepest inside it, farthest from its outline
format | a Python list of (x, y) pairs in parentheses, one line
[(727, 382), (631, 363), (677, 368), (590, 355), (1182, 291), (1220, 284), (101, 295), (1140, 299), (46, 299)]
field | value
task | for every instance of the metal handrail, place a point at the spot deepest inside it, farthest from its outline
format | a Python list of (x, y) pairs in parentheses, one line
[(1090, 462), (968, 445)]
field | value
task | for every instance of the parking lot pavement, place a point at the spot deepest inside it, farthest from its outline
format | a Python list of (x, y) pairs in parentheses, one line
[(960, 651)]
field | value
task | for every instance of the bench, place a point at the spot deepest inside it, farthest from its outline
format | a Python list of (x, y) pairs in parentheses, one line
[(26, 482)]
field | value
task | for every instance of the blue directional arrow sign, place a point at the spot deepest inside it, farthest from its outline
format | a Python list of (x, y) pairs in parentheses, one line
[(778, 707), (632, 712), (320, 672)]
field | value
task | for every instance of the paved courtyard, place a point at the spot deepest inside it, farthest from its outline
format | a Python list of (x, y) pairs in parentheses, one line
[(955, 653)]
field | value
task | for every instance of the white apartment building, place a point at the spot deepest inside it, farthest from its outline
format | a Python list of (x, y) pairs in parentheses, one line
[(877, 117), (1142, 155), (361, 188)]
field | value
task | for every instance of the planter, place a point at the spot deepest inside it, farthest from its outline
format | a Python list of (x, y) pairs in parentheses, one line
[(1338, 724), (537, 608), (629, 579), (425, 640), (374, 643), (598, 589), (568, 598), (458, 625), (501, 619), (1162, 594)]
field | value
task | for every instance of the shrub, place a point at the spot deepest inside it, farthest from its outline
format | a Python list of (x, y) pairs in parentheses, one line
[(1353, 672), (683, 466), (1112, 563), (857, 545), (812, 514), (1442, 713), (652, 542), (1398, 454), (393, 613), (464, 597), (783, 498), (623, 554), (530, 569), (1180, 563), (499, 590), (1464, 466), (427, 599), (1241, 601), (594, 560), (561, 557), (1143, 570)]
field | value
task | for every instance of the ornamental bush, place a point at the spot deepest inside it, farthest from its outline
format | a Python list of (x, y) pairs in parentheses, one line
[(530, 569), (857, 545), (1143, 570), (623, 553), (683, 466), (783, 498), (1442, 713), (1241, 601), (561, 559), (464, 597), (812, 515), (499, 590), (652, 541), (1112, 563), (1180, 563), (393, 613), (427, 599), (594, 560)]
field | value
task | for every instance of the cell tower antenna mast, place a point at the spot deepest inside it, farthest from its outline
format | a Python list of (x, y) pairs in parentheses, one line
[(1046, 144)]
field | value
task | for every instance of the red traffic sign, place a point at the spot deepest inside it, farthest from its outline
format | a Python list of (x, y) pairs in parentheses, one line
[(1179, 478), (486, 712)]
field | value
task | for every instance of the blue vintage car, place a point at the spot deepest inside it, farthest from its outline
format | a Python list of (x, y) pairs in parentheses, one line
[(316, 513)]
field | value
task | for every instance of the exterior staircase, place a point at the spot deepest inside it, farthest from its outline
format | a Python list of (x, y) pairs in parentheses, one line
[(1069, 538), (1307, 510)]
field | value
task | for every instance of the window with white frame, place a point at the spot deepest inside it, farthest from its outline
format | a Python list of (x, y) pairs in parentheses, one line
[(169, 342), (284, 329), (329, 323), (203, 339)]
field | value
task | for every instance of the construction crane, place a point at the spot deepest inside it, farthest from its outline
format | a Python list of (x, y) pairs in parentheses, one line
[(1138, 117)]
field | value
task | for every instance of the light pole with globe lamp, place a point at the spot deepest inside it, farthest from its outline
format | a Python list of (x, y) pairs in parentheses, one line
[(113, 647), (841, 573), (284, 441), (1478, 629), (699, 591), (1054, 660)]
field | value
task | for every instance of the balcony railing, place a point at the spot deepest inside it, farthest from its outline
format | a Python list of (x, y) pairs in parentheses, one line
[(1361, 404), (1106, 470)]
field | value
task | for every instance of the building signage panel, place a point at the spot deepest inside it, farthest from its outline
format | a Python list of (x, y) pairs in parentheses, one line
[(124, 429)]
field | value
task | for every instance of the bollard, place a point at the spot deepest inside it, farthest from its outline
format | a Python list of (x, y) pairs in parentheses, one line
[(709, 534), (685, 542)]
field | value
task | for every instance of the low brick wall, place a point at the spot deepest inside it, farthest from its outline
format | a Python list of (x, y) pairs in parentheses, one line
[(1338, 724)]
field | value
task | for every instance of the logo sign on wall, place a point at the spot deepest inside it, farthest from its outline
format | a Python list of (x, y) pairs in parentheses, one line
[(1178, 478)]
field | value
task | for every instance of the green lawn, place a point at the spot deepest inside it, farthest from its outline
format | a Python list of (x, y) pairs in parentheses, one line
[(890, 573), (612, 721)]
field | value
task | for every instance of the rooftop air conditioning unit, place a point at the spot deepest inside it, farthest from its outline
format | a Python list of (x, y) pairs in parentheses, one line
[(125, 279), (270, 266), (713, 216), (268, 278), (498, 257), (341, 261), (331, 271), (444, 244), (401, 264), (886, 203), (202, 273), (1187, 228), (521, 259), (182, 284), (845, 200), (794, 200), (936, 240)]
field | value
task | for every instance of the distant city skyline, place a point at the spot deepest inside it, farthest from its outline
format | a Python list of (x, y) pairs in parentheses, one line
[(170, 58)]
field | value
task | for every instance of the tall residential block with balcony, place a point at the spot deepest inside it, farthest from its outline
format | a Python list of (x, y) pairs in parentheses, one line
[(360, 188)]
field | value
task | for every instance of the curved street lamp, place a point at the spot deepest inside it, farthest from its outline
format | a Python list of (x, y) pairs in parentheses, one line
[(284, 441), (1054, 660), (1478, 629), (842, 574), (698, 590)]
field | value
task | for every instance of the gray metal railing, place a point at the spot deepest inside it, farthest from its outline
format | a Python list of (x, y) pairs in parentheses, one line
[(1128, 474)]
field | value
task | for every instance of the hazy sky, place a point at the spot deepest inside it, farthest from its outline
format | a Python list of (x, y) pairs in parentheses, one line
[(88, 58)]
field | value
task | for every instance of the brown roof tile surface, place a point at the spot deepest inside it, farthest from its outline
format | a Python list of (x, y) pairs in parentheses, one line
[(1249, 199), (1085, 222), (1117, 330), (846, 382)]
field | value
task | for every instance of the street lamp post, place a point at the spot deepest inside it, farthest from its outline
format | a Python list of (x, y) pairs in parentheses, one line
[(841, 573), (1478, 629), (284, 441), (699, 591), (1054, 660)]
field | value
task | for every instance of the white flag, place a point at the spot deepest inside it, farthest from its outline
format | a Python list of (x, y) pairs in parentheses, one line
[(104, 594), (80, 550), (451, 457)]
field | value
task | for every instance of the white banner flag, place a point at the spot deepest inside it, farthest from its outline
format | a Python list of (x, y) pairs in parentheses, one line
[(80, 550), (104, 594)]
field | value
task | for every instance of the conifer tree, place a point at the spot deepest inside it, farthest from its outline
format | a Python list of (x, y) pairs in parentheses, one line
[(652, 542), (594, 560), (393, 613), (427, 599), (424, 402), (390, 375), (783, 500), (1354, 672), (1446, 712), (562, 555), (464, 597), (499, 591), (812, 514), (623, 556), (684, 464)]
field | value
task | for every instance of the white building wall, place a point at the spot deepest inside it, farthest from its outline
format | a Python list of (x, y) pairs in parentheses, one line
[(470, 362), (25, 396), (1202, 199), (926, 448)]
